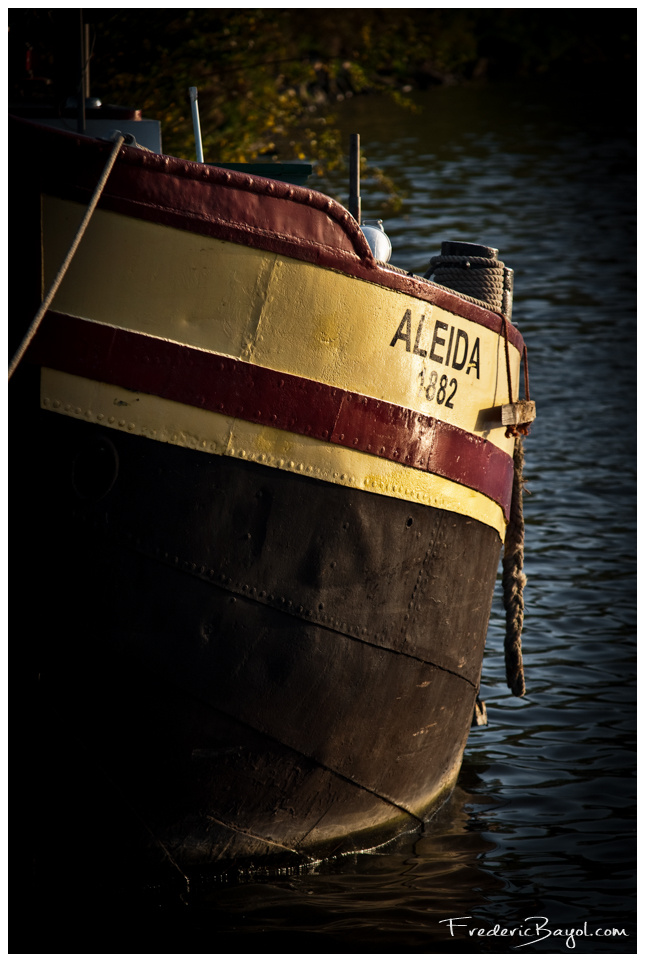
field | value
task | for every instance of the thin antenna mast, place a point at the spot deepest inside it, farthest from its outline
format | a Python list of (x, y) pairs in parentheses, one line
[(196, 127)]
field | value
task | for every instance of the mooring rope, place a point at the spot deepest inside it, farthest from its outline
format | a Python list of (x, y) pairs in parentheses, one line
[(490, 282), (514, 579), (44, 307), (515, 430)]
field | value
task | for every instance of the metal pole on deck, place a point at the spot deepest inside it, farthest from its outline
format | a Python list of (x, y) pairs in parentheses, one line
[(355, 176), (198, 133), (86, 71), (80, 118)]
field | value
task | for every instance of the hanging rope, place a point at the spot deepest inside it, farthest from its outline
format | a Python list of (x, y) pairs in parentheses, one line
[(513, 583), (486, 279), (514, 579), (515, 430), (44, 307)]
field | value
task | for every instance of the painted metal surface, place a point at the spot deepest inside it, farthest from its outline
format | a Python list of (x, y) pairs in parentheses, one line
[(118, 409), (282, 314), (239, 390), (426, 385), (272, 517), (272, 663), (209, 201)]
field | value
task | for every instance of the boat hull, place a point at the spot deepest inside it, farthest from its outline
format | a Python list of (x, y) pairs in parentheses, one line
[(271, 486), (278, 665)]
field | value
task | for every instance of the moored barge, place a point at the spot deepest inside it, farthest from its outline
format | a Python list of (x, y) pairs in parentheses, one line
[(271, 478)]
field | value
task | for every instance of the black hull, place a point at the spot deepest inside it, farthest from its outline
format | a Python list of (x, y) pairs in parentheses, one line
[(266, 665)]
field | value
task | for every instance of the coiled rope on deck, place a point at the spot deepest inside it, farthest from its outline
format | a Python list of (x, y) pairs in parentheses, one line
[(480, 277)]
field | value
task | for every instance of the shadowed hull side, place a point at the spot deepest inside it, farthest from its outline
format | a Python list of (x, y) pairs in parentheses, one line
[(260, 690), (270, 484)]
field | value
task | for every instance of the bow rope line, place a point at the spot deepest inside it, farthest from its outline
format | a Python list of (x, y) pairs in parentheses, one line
[(29, 336)]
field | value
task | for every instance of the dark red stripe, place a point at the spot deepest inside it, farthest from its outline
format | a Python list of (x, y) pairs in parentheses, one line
[(228, 205), (239, 389)]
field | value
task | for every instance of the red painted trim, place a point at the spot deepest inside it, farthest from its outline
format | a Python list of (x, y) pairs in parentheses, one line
[(235, 388), (229, 205)]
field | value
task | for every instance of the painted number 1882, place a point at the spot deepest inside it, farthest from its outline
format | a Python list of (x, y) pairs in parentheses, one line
[(439, 389)]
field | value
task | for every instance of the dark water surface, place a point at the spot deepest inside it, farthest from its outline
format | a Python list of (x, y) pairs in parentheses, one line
[(542, 824)]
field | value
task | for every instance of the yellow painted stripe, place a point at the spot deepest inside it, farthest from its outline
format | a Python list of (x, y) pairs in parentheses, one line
[(278, 313), (186, 426)]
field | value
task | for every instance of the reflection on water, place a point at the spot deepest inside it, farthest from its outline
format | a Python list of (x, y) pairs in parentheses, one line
[(542, 822), (556, 195), (371, 901)]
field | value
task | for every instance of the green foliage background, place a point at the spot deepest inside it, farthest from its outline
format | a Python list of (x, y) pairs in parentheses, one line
[(269, 79)]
